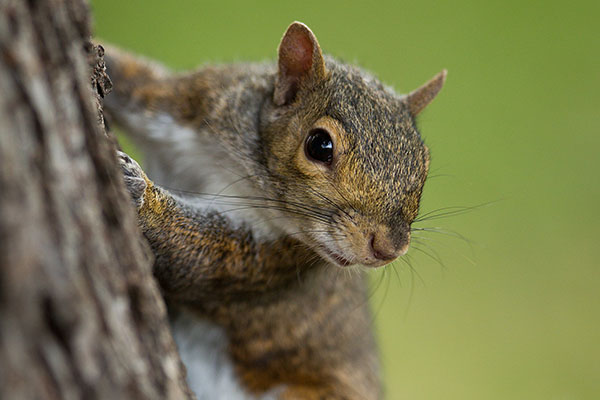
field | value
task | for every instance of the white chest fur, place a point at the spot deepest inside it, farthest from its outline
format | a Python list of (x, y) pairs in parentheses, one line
[(195, 163), (203, 349)]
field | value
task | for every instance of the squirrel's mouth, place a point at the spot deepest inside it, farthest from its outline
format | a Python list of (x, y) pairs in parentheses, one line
[(337, 258), (340, 260)]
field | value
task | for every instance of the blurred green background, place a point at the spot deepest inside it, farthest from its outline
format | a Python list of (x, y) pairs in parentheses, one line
[(515, 312)]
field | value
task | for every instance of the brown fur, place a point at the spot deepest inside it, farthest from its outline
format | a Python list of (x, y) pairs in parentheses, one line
[(291, 317)]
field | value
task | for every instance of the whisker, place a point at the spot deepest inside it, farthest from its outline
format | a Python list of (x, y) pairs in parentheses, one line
[(443, 231), (439, 176), (386, 276), (334, 186), (328, 200), (407, 259), (372, 291), (435, 258), (297, 212), (420, 240), (231, 184), (411, 290), (446, 212)]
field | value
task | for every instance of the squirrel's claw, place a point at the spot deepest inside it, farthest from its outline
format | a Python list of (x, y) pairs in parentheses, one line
[(135, 178)]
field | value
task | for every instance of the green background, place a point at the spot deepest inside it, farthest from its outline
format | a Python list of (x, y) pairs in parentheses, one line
[(514, 313)]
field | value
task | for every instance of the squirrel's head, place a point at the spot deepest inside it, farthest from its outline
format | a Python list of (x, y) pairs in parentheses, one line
[(344, 154)]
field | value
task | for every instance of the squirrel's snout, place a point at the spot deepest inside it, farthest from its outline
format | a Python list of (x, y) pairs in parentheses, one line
[(383, 250)]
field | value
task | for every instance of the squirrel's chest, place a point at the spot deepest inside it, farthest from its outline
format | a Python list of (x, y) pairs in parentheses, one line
[(203, 349)]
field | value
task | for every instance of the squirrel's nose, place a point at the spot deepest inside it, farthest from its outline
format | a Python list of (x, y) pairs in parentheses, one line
[(383, 248)]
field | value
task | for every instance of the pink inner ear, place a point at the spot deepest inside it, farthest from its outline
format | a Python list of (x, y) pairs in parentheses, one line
[(296, 54)]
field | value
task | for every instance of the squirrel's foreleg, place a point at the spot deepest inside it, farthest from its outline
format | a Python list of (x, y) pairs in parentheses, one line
[(200, 254)]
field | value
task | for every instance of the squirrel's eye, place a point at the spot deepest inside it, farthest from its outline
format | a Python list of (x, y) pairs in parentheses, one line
[(319, 146)]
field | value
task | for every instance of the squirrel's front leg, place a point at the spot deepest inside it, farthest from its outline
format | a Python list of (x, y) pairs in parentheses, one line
[(200, 254)]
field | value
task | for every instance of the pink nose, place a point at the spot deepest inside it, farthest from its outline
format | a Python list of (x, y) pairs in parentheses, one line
[(383, 249)]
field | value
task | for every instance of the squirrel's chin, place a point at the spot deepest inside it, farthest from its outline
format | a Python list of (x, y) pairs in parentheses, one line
[(334, 257), (341, 261)]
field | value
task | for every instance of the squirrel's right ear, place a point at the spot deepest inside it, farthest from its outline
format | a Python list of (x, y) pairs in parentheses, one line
[(418, 99), (300, 60)]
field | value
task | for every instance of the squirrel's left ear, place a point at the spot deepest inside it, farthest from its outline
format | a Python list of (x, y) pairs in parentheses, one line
[(300, 60), (420, 98)]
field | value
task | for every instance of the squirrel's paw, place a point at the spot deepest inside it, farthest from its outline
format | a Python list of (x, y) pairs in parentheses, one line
[(135, 178)]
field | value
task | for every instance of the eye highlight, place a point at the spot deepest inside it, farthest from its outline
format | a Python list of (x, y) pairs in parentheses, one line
[(319, 146)]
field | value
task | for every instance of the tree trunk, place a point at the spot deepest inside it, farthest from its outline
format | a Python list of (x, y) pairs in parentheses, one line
[(81, 316)]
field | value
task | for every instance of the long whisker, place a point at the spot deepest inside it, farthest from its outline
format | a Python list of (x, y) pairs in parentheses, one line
[(436, 258), (421, 240), (231, 184), (372, 291), (407, 259), (446, 212), (328, 200), (385, 292), (336, 188), (294, 207), (307, 214), (442, 231), (412, 288)]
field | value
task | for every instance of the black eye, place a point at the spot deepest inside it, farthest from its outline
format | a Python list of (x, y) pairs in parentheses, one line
[(319, 146)]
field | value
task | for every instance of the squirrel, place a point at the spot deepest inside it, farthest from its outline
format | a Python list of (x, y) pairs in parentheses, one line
[(279, 179)]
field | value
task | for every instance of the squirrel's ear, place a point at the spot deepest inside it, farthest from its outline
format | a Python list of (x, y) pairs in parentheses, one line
[(300, 58), (420, 98)]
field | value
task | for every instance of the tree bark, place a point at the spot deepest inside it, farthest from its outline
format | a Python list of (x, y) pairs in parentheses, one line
[(81, 316)]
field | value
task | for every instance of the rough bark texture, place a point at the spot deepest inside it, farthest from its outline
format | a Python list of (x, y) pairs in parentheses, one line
[(80, 314)]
